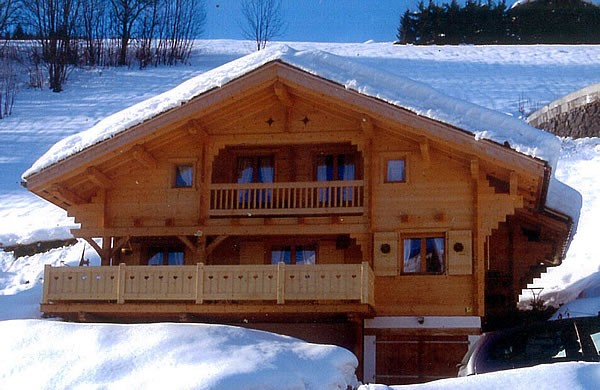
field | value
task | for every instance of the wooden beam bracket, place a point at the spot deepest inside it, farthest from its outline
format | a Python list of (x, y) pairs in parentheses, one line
[(144, 157)]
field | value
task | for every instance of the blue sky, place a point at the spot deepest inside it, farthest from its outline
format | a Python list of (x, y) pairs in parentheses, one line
[(316, 20)]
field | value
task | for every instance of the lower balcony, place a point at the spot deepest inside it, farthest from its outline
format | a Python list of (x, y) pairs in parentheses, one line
[(208, 290)]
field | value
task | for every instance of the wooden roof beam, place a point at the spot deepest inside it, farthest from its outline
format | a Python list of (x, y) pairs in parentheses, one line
[(195, 126), (513, 183), (366, 124), (424, 146), (66, 195), (98, 177), (144, 157), (283, 94)]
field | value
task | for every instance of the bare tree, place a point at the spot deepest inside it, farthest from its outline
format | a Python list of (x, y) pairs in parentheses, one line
[(8, 9), (183, 21), (125, 14), (263, 21), (166, 31), (54, 22), (93, 30)]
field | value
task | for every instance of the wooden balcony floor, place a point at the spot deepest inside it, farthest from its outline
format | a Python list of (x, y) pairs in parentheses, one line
[(208, 312)]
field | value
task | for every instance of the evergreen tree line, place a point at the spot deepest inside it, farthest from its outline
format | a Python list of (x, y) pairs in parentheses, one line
[(489, 22)]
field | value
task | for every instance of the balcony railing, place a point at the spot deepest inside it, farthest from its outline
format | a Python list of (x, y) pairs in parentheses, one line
[(201, 283), (295, 198)]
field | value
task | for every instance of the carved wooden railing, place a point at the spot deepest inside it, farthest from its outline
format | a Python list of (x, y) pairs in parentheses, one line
[(201, 283), (296, 198)]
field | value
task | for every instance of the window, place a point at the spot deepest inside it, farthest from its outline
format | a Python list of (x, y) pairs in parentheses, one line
[(294, 254), (184, 176), (336, 167), (425, 255), (166, 257), (396, 171), (332, 167), (255, 169)]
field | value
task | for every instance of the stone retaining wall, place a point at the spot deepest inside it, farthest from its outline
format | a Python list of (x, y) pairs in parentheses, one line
[(576, 115)]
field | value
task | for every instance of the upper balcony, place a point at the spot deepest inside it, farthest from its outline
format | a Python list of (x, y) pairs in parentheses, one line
[(278, 199), (287, 180)]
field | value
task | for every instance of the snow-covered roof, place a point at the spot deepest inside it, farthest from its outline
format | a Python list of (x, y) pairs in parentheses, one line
[(414, 96)]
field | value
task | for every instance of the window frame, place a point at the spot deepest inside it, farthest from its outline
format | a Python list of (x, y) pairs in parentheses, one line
[(181, 162), (423, 237), (386, 177), (293, 249), (393, 156), (255, 158)]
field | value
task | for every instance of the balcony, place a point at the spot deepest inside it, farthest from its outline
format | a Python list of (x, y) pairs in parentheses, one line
[(279, 199), (203, 285)]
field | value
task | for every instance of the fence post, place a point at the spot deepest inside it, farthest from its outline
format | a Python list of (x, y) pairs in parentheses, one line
[(200, 283), (280, 283), (121, 284)]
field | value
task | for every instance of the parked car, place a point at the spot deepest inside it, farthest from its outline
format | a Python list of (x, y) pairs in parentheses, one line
[(572, 339)]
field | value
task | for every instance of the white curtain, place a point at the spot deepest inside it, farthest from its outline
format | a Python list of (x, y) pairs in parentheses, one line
[(184, 176)]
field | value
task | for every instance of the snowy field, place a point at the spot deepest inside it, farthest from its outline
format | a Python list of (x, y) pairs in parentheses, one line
[(503, 78)]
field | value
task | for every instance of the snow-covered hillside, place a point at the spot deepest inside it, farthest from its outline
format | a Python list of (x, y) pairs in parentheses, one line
[(507, 79)]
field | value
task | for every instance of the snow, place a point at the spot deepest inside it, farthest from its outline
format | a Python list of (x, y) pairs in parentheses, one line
[(158, 356), (38, 353)]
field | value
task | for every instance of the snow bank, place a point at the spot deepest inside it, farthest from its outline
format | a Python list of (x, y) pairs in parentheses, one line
[(559, 376), (55, 355)]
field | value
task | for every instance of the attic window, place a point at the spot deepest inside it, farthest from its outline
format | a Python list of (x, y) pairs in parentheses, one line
[(395, 171), (184, 176)]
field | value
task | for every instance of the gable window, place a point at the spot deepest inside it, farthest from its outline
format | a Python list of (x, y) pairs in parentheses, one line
[(184, 176), (424, 254), (294, 254), (166, 257), (395, 171)]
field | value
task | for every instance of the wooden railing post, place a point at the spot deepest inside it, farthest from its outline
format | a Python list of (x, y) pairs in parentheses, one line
[(47, 281), (200, 283), (280, 283), (121, 284), (364, 282)]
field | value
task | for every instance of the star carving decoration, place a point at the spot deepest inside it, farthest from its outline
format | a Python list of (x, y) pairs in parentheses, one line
[(270, 121), (305, 120)]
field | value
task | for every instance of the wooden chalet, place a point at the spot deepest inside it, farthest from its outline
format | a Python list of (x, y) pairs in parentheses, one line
[(283, 199)]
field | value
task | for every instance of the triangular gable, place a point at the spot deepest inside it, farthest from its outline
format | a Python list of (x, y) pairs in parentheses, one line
[(401, 96)]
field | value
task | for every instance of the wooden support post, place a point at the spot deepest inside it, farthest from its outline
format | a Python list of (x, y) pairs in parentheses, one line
[(280, 283), (105, 252), (478, 242), (199, 283), (121, 284), (47, 281), (364, 282)]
